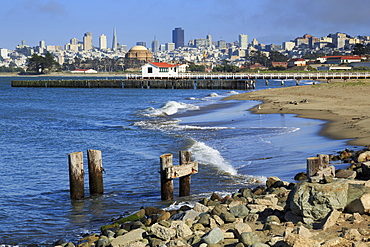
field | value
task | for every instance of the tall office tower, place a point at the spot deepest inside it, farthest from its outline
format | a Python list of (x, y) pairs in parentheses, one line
[(142, 43), (42, 44), (209, 38), (243, 41), (155, 45), (88, 42), (102, 42), (115, 41), (170, 46), (178, 37)]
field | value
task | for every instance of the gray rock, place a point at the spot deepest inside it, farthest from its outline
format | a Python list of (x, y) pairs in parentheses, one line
[(315, 201), (240, 228), (103, 241), (182, 230), (341, 173), (189, 214), (130, 237), (204, 219), (246, 193), (260, 245), (330, 219), (214, 236), (218, 210), (228, 217), (249, 238), (239, 211), (198, 207), (251, 218)]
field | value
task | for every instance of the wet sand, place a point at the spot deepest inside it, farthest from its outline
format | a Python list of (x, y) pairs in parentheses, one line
[(344, 105)]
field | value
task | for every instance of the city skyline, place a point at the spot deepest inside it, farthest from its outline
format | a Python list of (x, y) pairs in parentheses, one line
[(268, 21)]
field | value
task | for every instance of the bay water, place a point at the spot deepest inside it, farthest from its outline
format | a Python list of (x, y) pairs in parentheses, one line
[(132, 127)]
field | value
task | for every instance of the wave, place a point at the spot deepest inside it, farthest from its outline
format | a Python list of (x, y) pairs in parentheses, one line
[(172, 124), (206, 155), (170, 108)]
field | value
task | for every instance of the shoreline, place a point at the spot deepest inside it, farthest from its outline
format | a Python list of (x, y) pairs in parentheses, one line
[(343, 106)]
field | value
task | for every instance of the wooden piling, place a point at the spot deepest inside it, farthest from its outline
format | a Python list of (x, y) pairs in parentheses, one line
[(313, 165), (95, 172), (185, 158), (76, 175), (166, 184)]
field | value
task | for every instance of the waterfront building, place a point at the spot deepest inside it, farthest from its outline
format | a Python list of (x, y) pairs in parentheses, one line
[(87, 42), (102, 42), (243, 41), (162, 69), (178, 37), (115, 40)]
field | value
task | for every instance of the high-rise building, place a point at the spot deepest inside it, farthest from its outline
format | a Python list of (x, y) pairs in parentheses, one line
[(209, 38), (115, 41), (155, 45), (102, 42), (243, 41), (74, 41), (88, 42), (142, 43), (178, 37)]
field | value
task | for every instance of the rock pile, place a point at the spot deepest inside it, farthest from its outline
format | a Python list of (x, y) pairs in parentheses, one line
[(280, 214)]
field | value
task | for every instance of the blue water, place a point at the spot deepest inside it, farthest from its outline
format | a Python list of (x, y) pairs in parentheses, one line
[(132, 127)]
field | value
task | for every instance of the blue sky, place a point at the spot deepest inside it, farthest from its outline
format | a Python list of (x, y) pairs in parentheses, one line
[(269, 21)]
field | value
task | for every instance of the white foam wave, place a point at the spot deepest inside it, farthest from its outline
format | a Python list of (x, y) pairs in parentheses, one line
[(212, 95), (173, 124), (233, 92), (170, 108), (209, 156)]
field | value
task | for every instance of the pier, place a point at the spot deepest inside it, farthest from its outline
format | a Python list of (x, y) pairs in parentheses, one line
[(191, 81)]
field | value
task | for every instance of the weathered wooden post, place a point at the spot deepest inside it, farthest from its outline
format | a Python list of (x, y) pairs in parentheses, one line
[(76, 175), (313, 165), (166, 184), (95, 166), (185, 158)]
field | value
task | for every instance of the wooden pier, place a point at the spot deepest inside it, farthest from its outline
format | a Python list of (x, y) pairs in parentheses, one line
[(235, 84)]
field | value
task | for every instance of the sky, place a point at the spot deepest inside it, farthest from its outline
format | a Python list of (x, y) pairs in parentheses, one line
[(269, 21)]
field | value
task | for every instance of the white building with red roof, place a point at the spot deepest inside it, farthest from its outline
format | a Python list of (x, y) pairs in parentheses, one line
[(162, 69), (84, 71)]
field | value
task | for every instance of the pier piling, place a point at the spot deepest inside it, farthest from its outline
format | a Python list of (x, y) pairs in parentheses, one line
[(166, 184), (76, 175), (95, 172)]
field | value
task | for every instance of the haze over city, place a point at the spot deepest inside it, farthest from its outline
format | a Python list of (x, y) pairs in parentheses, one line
[(269, 21)]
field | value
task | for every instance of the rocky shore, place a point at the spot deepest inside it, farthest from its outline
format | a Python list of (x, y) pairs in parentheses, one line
[(329, 212)]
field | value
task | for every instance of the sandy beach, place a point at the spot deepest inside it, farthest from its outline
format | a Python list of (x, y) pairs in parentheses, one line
[(344, 105)]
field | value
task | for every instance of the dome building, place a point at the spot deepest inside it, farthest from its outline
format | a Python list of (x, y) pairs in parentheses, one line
[(137, 56), (140, 53)]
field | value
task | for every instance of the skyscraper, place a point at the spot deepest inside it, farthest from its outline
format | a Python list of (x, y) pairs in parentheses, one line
[(115, 41), (209, 38), (88, 42), (243, 41), (102, 42), (178, 37), (155, 45)]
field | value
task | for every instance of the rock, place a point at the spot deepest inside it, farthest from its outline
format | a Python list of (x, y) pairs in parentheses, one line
[(189, 214), (130, 237), (218, 210), (218, 220), (251, 218), (336, 242), (276, 241), (249, 238), (164, 216), (271, 180), (198, 207), (300, 176), (182, 230), (356, 218), (341, 173), (272, 218), (214, 236), (315, 201), (363, 157), (259, 245), (294, 240), (303, 231), (151, 210), (258, 190), (330, 219), (204, 219), (246, 192), (103, 241), (198, 227), (227, 217), (326, 172), (215, 197), (361, 205), (352, 235), (162, 232), (239, 211), (240, 228)]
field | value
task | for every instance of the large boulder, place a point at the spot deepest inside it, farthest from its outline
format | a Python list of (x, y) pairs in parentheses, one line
[(314, 201)]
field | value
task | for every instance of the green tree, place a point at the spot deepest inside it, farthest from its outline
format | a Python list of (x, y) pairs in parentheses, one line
[(196, 68), (42, 64)]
